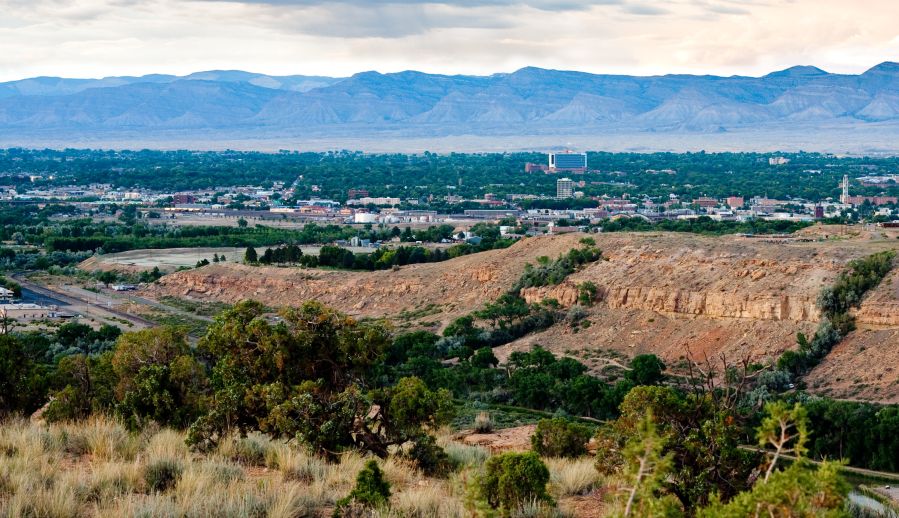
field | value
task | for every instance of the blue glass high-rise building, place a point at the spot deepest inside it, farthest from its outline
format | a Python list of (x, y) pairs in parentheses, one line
[(568, 162)]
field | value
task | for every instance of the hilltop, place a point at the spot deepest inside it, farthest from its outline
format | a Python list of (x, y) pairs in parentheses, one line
[(664, 293)]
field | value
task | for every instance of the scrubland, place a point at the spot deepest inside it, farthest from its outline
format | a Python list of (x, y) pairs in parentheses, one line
[(97, 468)]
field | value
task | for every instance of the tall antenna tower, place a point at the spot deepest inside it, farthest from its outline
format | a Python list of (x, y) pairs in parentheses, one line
[(844, 198)]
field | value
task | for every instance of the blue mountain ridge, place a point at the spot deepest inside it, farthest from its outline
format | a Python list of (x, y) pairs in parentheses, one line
[(530, 99)]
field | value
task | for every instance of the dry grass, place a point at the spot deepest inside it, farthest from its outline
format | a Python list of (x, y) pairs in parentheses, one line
[(463, 454), (98, 469), (571, 477), (437, 500)]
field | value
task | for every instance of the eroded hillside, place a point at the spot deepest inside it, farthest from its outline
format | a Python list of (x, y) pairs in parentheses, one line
[(661, 293)]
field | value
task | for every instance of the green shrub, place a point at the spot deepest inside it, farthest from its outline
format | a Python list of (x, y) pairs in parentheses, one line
[(162, 475), (430, 458), (513, 479), (560, 437), (371, 491), (587, 293)]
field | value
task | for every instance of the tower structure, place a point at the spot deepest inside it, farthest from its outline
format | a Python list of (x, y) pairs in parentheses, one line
[(844, 198)]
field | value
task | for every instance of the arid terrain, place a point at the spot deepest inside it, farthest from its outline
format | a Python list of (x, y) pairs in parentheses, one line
[(669, 294)]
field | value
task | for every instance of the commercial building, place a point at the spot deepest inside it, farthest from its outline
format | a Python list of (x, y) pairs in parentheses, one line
[(735, 202), (706, 202), (873, 200), (564, 188), (374, 201), (568, 161)]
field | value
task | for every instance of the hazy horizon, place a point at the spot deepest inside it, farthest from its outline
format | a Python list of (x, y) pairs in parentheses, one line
[(757, 75)]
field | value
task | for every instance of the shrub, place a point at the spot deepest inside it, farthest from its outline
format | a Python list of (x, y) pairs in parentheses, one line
[(430, 458), (371, 491), (560, 437), (162, 475), (609, 459), (483, 423), (513, 479), (587, 293), (576, 314)]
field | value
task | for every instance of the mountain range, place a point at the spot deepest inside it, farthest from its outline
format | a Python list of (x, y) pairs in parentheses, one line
[(237, 106)]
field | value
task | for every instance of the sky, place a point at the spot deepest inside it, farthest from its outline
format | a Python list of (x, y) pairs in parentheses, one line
[(98, 38)]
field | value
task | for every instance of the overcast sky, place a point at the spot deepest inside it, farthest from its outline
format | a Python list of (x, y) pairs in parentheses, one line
[(95, 38)]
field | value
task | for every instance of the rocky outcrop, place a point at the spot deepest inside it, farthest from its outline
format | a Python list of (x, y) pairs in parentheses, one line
[(761, 306), (879, 314), (566, 294), (881, 306)]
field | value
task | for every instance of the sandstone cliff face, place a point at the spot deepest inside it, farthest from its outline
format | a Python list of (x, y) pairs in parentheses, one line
[(666, 300), (881, 306)]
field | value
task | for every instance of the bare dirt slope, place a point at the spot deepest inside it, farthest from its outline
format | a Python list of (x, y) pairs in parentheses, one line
[(865, 365), (658, 292), (457, 286)]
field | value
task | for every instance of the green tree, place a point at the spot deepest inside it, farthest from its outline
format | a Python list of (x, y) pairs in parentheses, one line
[(702, 436), (85, 385), (21, 386), (587, 293), (159, 379), (646, 467), (305, 377), (784, 429), (646, 369), (796, 492), (250, 256)]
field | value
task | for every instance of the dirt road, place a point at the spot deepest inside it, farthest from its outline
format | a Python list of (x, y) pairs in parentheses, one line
[(96, 306)]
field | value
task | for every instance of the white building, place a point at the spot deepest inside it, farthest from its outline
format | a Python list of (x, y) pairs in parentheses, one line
[(564, 188)]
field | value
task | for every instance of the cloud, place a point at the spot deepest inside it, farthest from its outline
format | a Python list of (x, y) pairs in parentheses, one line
[(78, 38), (345, 20), (645, 9), (543, 5)]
